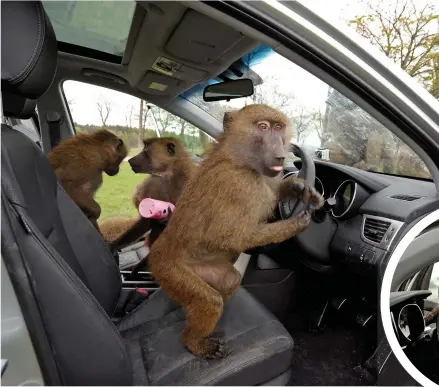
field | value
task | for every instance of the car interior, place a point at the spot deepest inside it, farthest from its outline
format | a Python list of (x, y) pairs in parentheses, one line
[(415, 294), (307, 311)]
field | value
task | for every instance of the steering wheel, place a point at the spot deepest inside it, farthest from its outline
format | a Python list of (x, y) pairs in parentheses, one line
[(317, 249), (315, 240), (293, 206)]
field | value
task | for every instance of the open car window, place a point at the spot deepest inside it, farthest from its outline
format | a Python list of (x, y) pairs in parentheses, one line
[(93, 108), (327, 124)]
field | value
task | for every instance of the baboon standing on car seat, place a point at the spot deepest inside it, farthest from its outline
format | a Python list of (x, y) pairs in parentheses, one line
[(222, 212)]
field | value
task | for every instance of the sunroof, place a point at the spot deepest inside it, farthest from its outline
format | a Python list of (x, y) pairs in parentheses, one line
[(99, 26)]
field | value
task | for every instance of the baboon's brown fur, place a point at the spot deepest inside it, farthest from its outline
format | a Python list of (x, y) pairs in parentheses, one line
[(170, 166), (112, 228), (79, 162), (223, 211)]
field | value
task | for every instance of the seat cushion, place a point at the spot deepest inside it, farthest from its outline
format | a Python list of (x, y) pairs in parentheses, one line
[(260, 349)]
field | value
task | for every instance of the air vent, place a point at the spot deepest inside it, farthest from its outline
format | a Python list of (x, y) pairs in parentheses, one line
[(406, 198), (379, 231), (375, 229)]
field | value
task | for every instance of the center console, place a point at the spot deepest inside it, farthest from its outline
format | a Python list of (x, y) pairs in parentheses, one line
[(142, 280)]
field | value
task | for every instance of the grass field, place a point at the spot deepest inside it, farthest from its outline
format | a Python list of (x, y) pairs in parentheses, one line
[(115, 194)]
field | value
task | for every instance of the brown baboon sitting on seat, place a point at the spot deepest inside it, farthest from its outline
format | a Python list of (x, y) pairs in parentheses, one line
[(170, 166)]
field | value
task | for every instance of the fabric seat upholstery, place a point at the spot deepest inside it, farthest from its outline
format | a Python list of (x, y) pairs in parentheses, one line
[(71, 281), (259, 347)]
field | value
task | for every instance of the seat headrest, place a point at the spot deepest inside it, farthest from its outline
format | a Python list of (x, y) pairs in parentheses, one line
[(29, 49)]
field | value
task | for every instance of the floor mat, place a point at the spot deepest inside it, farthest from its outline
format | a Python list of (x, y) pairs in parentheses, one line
[(328, 357)]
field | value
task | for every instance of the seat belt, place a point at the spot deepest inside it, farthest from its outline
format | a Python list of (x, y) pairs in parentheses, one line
[(54, 120)]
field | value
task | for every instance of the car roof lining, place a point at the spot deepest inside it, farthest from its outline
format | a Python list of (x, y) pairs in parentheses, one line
[(163, 29)]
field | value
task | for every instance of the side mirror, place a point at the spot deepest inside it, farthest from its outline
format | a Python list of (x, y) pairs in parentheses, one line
[(228, 90)]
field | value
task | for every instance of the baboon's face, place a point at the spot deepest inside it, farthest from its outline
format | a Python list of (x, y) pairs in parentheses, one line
[(156, 157), (268, 132), (117, 151)]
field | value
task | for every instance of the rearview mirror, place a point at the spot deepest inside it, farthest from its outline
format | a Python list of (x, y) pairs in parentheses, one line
[(228, 90)]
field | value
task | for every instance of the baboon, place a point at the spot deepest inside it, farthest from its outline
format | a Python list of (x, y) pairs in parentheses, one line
[(79, 162), (170, 166), (222, 212)]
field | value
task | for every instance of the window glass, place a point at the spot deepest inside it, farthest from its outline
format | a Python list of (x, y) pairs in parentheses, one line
[(327, 124), (94, 108), (99, 25)]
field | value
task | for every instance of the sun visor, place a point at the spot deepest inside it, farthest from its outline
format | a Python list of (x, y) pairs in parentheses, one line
[(201, 39)]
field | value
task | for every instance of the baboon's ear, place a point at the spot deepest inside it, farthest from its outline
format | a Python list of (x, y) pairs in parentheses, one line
[(227, 120), (170, 147), (119, 144)]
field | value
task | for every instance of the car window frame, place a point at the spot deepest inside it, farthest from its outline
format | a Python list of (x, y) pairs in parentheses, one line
[(179, 105), (376, 85)]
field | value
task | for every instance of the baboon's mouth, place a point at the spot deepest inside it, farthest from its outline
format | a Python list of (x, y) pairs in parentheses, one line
[(277, 168)]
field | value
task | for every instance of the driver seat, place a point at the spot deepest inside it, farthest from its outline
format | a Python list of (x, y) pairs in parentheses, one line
[(66, 279)]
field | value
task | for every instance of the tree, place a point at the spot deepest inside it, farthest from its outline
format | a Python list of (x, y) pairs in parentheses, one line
[(140, 135), (161, 117), (303, 122), (408, 34), (71, 103), (104, 109), (129, 116), (319, 126)]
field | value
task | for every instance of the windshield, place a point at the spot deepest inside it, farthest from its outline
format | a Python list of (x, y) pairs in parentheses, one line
[(326, 123)]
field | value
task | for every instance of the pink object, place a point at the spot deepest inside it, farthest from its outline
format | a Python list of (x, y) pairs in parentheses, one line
[(155, 209)]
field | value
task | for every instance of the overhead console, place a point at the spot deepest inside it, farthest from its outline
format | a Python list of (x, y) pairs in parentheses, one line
[(201, 39), (194, 49)]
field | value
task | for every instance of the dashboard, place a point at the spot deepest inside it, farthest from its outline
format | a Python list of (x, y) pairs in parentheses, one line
[(363, 214)]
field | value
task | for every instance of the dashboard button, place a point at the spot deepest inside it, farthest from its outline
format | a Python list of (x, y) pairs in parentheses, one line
[(369, 256)]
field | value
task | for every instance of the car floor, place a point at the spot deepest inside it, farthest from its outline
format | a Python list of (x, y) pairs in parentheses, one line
[(333, 353), (329, 355)]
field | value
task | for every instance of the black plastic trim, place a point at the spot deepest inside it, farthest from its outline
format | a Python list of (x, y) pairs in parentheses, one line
[(89, 53)]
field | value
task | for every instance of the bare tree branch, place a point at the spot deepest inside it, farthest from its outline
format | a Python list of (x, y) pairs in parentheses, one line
[(104, 109)]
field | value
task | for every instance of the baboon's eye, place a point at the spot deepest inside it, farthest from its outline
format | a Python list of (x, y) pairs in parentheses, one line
[(263, 125), (170, 148), (119, 145), (278, 127)]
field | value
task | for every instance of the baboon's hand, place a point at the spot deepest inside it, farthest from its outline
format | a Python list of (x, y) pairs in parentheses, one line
[(302, 220), (308, 194)]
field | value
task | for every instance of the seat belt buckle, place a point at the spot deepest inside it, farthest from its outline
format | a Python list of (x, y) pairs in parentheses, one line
[(137, 297)]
